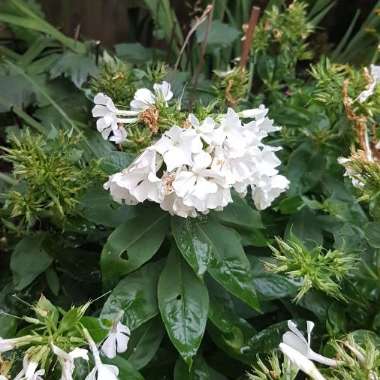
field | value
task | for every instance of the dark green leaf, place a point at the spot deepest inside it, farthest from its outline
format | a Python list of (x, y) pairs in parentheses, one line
[(183, 302), (29, 260), (190, 241), (372, 233), (199, 371), (96, 327), (240, 214), (219, 34), (143, 348), (133, 243), (135, 297), (126, 369), (229, 266), (76, 67)]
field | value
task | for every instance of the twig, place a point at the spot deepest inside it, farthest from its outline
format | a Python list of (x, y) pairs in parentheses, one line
[(197, 23), (77, 32), (203, 50), (248, 36)]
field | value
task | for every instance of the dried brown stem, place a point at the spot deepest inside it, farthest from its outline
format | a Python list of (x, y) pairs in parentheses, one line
[(248, 36)]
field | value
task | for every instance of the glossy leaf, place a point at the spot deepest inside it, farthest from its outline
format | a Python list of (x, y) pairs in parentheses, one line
[(135, 297), (29, 260), (126, 369), (372, 233), (183, 302), (240, 214), (199, 371), (191, 243), (133, 243), (144, 347), (230, 266)]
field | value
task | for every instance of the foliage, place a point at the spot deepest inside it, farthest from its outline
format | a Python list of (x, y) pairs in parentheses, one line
[(206, 297)]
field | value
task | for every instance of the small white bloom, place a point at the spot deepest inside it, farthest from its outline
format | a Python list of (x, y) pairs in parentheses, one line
[(100, 371), (7, 345), (254, 113), (29, 371), (375, 75), (109, 120), (145, 98), (295, 339), (117, 340), (177, 146), (301, 362), (207, 129), (268, 189), (2, 377), (66, 359)]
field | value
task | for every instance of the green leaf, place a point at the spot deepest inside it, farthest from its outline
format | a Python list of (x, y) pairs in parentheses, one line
[(134, 52), (199, 371), (240, 215), (144, 343), (96, 328), (76, 67), (372, 234), (183, 302), (8, 326), (116, 161), (126, 369), (98, 207), (135, 297), (220, 33), (189, 238), (268, 339), (269, 285), (229, 266), (28, 261), (133, 243)]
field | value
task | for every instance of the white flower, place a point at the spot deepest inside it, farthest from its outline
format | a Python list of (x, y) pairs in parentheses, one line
[(295, 339), (66, 359), (109, 120), (103, 372), (117, 340), (301, 362), (207, 130), (29, 371), (100, 371), (145, 98), (177, 147), (375, 76), (268, 189), (194, 186), (2, 377), (254, 113), (7, 345), (139, 182)]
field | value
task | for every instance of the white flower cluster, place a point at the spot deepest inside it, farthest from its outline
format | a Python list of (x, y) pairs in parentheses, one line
[(111, 119), (193, 170)]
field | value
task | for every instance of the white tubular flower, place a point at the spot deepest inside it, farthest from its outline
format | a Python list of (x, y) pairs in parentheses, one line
[(254, 113), (375, 75), (145, 98), (2, 377), (7, 345), (117, 340), (301, 362), (29, 371), (295, 339), (100, 371), (110, 118), (177, 147), (66, 359)]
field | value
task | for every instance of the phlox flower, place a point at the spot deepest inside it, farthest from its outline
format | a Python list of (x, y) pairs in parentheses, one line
[(116, 341), (66, 360)]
